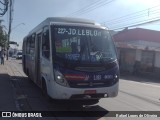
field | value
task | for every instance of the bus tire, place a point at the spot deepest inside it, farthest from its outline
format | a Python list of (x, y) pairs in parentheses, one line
[(29, 78), (45, 93)]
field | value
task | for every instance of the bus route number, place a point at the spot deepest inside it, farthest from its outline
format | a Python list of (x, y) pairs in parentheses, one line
[(61, 30), (97, 77)]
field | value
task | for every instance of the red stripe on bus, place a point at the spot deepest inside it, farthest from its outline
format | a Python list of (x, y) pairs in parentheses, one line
[(74, 76)]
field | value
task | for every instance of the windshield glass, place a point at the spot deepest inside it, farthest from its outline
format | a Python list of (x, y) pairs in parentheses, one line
[(83, 44)]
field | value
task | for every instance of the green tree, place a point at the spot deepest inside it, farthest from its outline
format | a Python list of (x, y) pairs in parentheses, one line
[(3, 36)]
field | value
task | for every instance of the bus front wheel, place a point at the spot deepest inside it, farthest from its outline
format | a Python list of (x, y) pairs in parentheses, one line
[(44, 89)]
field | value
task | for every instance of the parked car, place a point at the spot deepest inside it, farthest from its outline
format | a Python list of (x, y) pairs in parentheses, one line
[(19, 55), (14, 56)]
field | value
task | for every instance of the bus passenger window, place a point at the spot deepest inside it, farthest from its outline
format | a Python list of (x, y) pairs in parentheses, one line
[(46, 45), (32, 45), (28, 45)]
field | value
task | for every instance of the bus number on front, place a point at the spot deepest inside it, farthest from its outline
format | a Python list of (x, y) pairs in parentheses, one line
[(97, 77), (61, 30)]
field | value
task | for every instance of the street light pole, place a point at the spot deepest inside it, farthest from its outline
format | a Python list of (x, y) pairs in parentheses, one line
[(17, 26), (9, 35)]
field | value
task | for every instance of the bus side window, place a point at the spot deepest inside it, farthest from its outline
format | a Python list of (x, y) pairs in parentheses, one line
[(32, 45), (27, 46), (46, 45)]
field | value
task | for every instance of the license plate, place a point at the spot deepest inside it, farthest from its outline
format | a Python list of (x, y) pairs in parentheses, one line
[(89, 91)]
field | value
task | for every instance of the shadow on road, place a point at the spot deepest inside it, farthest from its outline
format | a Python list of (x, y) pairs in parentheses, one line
[(30, 98), (6, 93)]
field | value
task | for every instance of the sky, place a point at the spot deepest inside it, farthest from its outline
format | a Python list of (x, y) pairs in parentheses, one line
[(112, 13)]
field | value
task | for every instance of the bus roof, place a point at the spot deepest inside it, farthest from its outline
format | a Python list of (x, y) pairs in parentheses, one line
[(63, 20)]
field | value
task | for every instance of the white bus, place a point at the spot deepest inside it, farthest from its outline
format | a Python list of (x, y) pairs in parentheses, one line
[(71, 58)]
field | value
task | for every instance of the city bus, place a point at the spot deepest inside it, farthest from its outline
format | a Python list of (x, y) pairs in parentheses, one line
[(71, 59)]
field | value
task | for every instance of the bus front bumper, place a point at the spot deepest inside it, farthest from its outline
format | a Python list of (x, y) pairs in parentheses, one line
[(61, 92)]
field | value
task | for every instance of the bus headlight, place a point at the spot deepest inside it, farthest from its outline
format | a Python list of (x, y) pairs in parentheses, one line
[(60, 79)]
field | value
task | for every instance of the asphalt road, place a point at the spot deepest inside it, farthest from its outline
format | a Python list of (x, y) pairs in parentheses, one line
[(133, 96)]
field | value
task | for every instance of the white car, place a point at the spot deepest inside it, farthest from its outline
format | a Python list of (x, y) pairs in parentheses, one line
[(14, 56), (19, 55)]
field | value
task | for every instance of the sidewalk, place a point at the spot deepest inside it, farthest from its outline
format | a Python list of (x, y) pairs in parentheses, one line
[(140, 79), (7, 98)]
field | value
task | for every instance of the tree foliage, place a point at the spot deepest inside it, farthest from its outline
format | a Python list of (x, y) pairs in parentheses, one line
[(3, 6), (3, 36)]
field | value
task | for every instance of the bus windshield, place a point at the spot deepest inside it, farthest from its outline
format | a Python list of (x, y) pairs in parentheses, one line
[(83, 44)]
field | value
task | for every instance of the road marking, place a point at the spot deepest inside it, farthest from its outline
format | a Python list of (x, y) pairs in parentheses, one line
[(148, 83)]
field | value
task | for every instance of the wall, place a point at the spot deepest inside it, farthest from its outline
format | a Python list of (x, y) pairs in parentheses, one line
[(157, 59), (138, 55), (118, 53), (144, 43)]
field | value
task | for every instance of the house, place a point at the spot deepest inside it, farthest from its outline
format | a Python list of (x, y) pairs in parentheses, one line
[(139, 51)]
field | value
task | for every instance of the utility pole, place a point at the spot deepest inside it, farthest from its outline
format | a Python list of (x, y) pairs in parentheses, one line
[(10, 25)]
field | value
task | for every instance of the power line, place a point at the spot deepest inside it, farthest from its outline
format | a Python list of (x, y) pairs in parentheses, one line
[(133, 19), (87, 6), (131, 23), (100, 5), (116, 23), (156, 19), (131, 14), (136, 17), (93, 6)]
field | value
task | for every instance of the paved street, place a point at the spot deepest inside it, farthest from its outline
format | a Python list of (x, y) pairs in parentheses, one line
[(18, 93)]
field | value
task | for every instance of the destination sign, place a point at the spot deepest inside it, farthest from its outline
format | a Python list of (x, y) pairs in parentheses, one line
[(80, 32)]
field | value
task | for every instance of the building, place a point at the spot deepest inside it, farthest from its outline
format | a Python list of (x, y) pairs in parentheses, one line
[(139, 51)]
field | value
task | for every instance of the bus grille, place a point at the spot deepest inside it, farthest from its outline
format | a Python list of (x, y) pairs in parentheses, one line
[(94, 84)]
